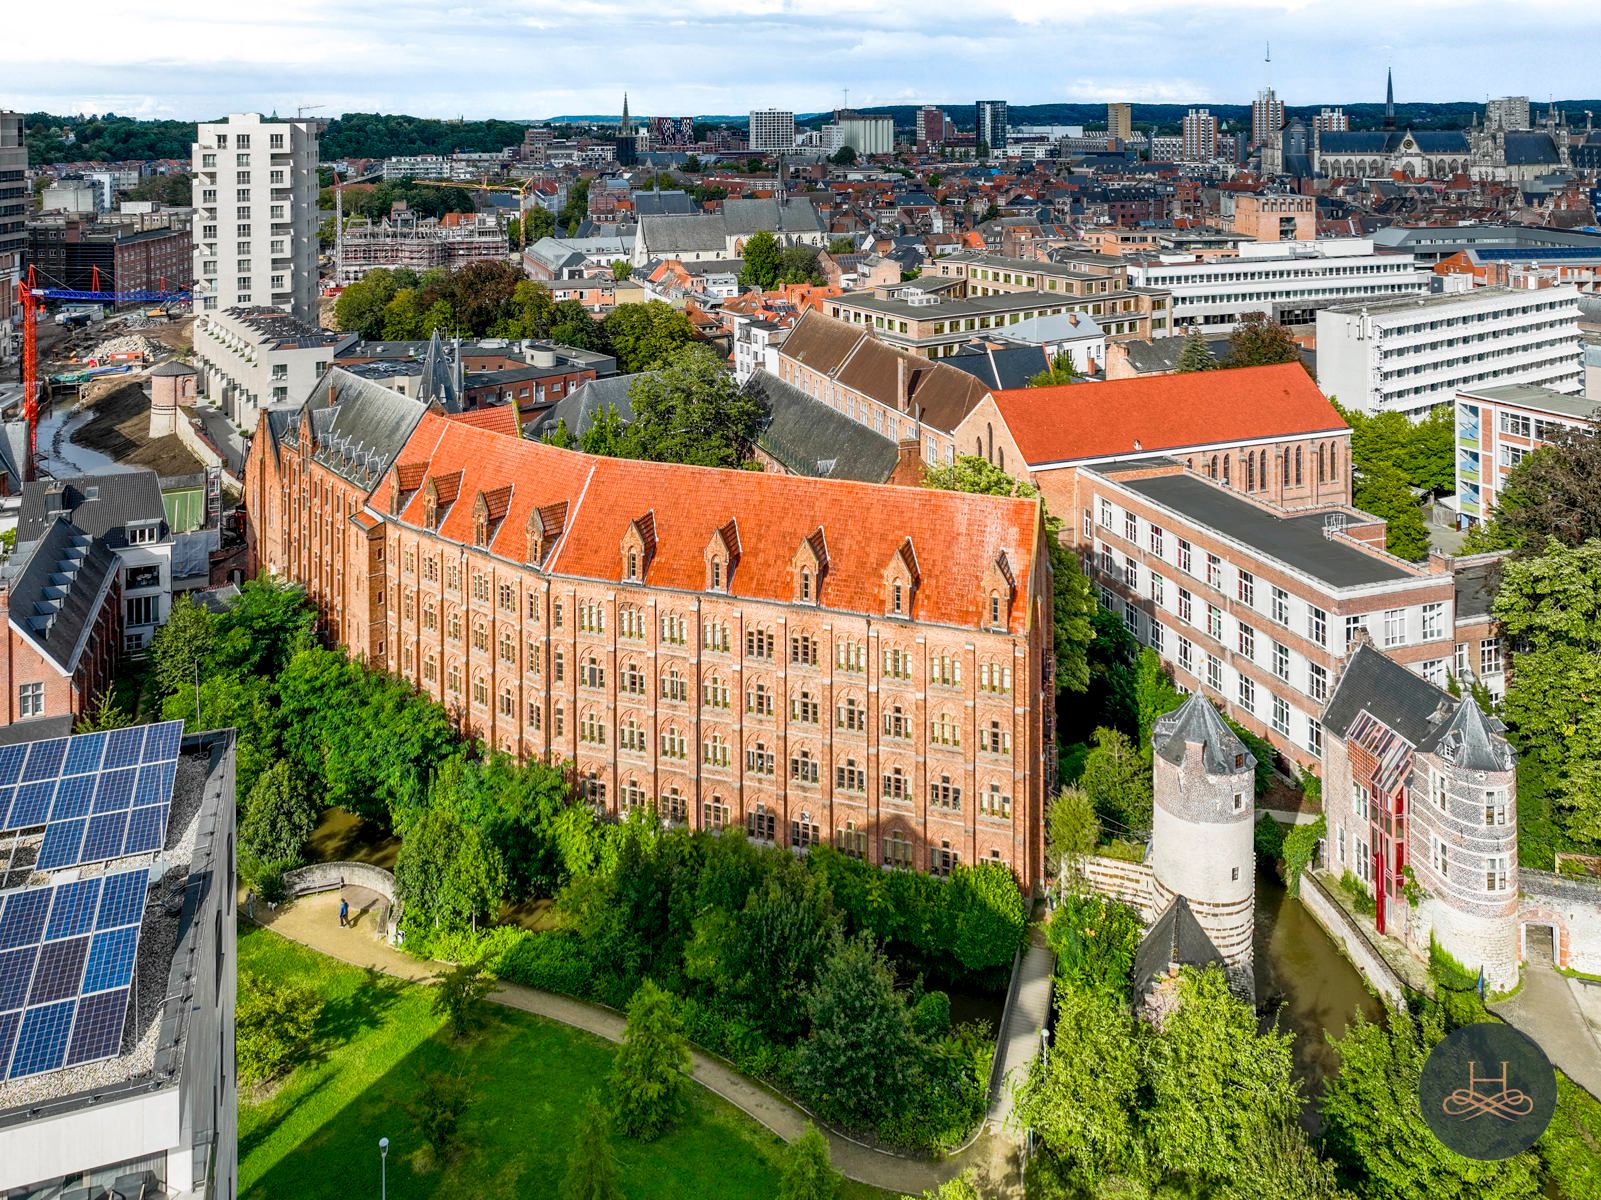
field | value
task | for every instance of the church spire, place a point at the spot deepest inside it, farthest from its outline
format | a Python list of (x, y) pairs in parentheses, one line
[(1389, 98), (628, 125)]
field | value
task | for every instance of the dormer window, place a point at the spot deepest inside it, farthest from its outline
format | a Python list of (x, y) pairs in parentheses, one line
[(143, 535), (717, 575), (480, 529), (995, 609), (633, 564), (806, 585), (898, 600)]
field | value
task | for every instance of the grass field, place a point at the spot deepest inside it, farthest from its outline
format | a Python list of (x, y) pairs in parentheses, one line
[(316, 1134)]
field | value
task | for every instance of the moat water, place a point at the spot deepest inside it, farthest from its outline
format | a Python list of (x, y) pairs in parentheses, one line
[(1304, 981)]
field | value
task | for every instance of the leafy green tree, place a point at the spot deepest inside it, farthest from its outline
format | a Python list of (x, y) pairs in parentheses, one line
[(960, 1188), (103, 713), (780, 942), (798, 264), (842, 245), (437, 1108), (1154, 695), (530, 312), (447, 876), (1061, 371), (690, 411), (360, 307), (1214, 1079), (1424, 452), (576, 210), (1258, 342), (985, 916), (808, 1174), (763, 261), (1072, 831), (1384, 491), (857, 1065), (643, 336), (1195, 356), (1117, 779), (1553, 493), (438, 319), (592, 1164), (275, 1026), (184, 643), (845, 156), (621, 269), (1083, 1099), (403, 319), (280, 814), (1278, 1162), (1072, 601), (651, 1069), (1094, 939), (1373, 1126), (514, 232), (269, 623), (538, 223), (571, 325), (459, 993)]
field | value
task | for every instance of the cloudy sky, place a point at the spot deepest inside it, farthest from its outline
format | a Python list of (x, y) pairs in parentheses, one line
[(532, 58)]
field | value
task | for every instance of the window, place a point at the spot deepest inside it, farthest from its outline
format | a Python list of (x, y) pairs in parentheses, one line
[(1360, 801), (994, 802), (713, 814), (1494, 873), (143, 535), (1247, 694), (1437, 789), (675, 630), (894, 784), (759, 759), (1157, 541), (803, 649), (1186, 654), (1247, 589), (1394, 626), (850, 656), (1106, 514), (714, 751), (1353, 630), (1490, 656), (1439, 857), (897, 850), (803, 709), (1186, 606), (850, 715), (1281, 660), (1214, 621), (850, 841), (1131, 575), (673, 686), (1317, 682), (1158, 590), (1214, 571), (141, 610), (1131, 527), (1317, 625), (803, 767), (1281, 715), (453, 679), (759, 643), (1281, 606), (848, 777), (995, 739), (942, 793), (592, 673), (761, 825), (1214, 672), (1314, 736), (897, 663), (1433, 621), (1185, 564), (30, 700), (1247, 641), (508, 597), (1495, 807), (1514, 424), (941, 859), (1461, 659), (802, 833), (896, 723)]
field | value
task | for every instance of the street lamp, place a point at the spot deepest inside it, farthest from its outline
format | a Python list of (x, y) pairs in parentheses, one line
[(383, 1168)]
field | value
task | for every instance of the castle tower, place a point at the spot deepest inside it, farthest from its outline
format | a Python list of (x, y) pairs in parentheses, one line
[(1201, 836), (1463, 845)]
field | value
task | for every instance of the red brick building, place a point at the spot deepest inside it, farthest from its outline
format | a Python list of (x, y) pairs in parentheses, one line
[(808, 659)]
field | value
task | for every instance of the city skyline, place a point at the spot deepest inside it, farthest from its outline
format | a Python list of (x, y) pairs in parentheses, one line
[(794, 54)]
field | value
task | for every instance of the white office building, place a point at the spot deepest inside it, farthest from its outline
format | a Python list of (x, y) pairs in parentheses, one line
[(1411, 355), (1287, 281), (249, 358), (772, 131), (255, 222)]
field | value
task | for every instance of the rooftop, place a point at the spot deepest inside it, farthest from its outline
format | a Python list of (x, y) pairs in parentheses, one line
[(1297, 541), (1537, 399), (1425, 303), (284, 331)]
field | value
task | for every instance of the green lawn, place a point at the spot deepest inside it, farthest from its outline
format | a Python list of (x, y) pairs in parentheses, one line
[(316, 1135)]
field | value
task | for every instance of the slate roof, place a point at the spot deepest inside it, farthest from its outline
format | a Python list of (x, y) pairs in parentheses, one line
[(1476, 585), (1379, 141), (57, 582), (357, 426), (808, 437), (1375, 683), (1000, 366), (1530, 148), (671, 235), (99, 505), (580, 406), (1196, 722), (1470, 740), (660, 204), (1176, 939)]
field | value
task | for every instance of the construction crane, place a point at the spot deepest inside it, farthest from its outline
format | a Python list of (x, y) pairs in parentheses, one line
[(32, 297)]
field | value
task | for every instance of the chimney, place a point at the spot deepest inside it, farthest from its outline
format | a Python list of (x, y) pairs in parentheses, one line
[(903, 391), (908, 470)]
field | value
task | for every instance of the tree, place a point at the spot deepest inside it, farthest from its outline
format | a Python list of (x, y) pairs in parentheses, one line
[(1060, 371), (1424, 452), (845, 156), (1083, 1099), (538, 223), (1072, 831), (857, 1064), (1373, 1124), (1384, 491), (808, 1175), (1072, 602), (437, 1109), (360, 307), (1258, 342), (182, 645), (798, 264), (690, 411), (459, 993), (592, 1166), (1154, 695), (1277, 1162), (1553, 493), (1214, 1079), (1117, 779), (446, 875), (514, 233), (275, 1025), (651, 1069), (780, 941), (644, 336), (1195, 356), (280, 814), (1094, 939), (763, 261), (984, 916), (621, 269), (103, 713), (842, 245)]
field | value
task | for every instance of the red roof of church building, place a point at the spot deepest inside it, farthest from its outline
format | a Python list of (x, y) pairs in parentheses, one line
[(957, 539), (1158, 413)]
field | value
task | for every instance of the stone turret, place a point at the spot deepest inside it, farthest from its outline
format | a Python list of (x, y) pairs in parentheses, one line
[(1201, 836), (1463, 844)]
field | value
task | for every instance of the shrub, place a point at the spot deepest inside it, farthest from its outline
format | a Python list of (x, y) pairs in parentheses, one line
[(1094, 938), (983, 917), (807, 1172), (1361, 899), (279, 816), (651, 1069), (931, 1016), (1269, 840), (1299, 848), (459, 993), (266, 878), (276, 1025), (437, 1109), (553, 962)]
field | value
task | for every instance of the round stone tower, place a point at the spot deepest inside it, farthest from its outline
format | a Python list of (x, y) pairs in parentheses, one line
[(1463, 844), (1201, 836), (171, 384)]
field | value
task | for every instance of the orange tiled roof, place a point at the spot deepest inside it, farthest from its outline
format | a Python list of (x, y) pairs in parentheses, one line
[(500, 418), (1164, 412), (952, 539)]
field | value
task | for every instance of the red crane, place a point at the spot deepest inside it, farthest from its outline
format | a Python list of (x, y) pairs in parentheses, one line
[(32, 298)]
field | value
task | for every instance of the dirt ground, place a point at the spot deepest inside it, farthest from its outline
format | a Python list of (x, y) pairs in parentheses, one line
[(120, 429)]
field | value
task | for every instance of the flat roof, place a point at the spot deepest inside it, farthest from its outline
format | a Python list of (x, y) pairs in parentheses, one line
[(1425, 302), (1297, 541), (1539, 399)]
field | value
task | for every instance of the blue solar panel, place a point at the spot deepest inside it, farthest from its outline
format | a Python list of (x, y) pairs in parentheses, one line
[(11, 762), (74, 798), (8, 1034), (105, 836), (31, 805), (73, 910), (155, 783), (5, 806), (63, 845), (44, 759), (123, 747), (122, 900), (23, 918), (111, 959), (16, 973), (114, 790), (83, 755), (162, 742), (97, 1033), (42, 1044), (145, 829), (58, 975)]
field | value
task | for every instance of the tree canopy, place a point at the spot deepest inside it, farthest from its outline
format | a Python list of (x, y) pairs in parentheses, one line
[(1259, 342), (1553, 493), (1384, 491)]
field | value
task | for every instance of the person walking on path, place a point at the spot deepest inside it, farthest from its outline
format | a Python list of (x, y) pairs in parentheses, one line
[(344, 912), (250, 904)]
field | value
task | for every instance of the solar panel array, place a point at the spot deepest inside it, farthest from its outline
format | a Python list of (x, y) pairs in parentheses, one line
[(99, 796), (67, 956)]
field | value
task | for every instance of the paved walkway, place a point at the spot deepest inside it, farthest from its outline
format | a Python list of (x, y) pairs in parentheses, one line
[(1547, 1010), (314, 921)]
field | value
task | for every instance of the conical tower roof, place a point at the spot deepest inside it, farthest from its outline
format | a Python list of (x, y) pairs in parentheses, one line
[(1470, 740), (1196, 722)]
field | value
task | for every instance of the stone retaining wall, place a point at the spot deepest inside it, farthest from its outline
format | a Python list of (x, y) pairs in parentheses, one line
[(1572, 907), (1351, 939), (1122, 880), (322, 877)]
